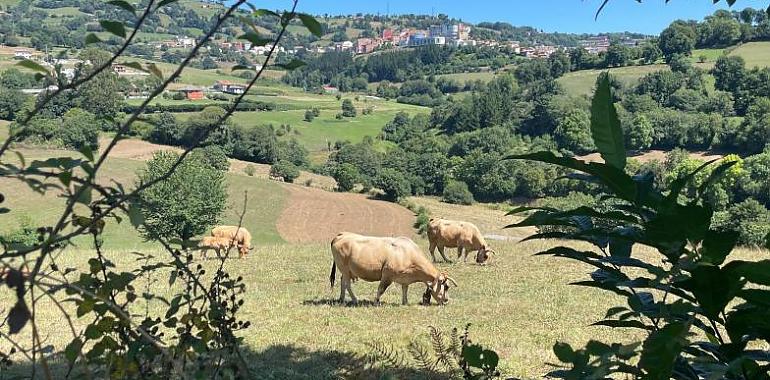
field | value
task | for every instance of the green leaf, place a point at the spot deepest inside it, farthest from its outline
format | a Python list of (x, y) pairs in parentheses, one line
[(32, 65), (92, 38), (135, 215), (154, 70), (73, 349), (135, 66), (123, 4), (85, 307), (564, 352), (616, 179), (84, 196), (472, 355), (605, 125), (265, 12), (661, 349), (713, 288), (295, 63), (255, 39), (311, 24), (65, 177), (115, 27), (18, 317), (93, 332), (87, 152), (751, 322), (680, 183), (757, 272), (757, 297), (717, 245), (163, 3)]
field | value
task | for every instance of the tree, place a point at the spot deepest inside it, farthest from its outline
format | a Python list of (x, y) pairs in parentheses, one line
[(293, 152), (651, 53), (255, 144), (639, 135), (348, 110), (573, 132), (678, 38), (456, 192), (78, 129), (617, 56), (729, 73), (165, 130), (11, 102), (393, 184), (102, 96), (347, 176), (286, 170), (185, 204)]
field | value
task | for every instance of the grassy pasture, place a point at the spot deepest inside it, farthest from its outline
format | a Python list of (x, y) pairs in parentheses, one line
[(756, 54), (519, 306), (265, 201)]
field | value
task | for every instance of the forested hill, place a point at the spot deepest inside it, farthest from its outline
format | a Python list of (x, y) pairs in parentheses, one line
[(41, 23)]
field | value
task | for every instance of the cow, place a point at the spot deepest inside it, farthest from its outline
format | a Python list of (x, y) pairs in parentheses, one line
[(464, 236), (387, 260), (240, 236), (216, 243)]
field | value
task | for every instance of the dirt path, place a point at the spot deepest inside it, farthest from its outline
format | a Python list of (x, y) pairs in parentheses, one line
[(313, 215)]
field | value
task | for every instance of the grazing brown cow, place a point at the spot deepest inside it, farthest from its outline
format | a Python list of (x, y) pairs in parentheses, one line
[(216, 243), (386, 260), (240, 237), (464, 236)]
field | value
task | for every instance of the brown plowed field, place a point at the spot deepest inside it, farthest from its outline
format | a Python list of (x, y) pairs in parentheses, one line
[(313, 215)]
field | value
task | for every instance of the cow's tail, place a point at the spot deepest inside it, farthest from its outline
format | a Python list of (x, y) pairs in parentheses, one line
[(333, 275)]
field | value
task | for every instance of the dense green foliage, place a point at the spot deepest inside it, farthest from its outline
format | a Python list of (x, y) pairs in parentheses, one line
[(187, 203), (457, 192), (285, 169)]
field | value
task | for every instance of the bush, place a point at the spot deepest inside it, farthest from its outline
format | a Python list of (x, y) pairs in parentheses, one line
[(348, 110), (309, 116), (347, 176), (250, 170), (456, 192), (25, 235), (750, 219), (185, 204), (393, 184), (214, 156), (286, 170), (11, 102), (338, 116), (78, 129)]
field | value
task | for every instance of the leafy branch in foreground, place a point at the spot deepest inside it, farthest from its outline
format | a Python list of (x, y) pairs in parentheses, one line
[(190, 330), (703, 314)]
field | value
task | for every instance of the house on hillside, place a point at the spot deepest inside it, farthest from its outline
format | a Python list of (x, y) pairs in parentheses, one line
[(22, 54), (192, 93), (229, 87), (123, 70), (330, 90)]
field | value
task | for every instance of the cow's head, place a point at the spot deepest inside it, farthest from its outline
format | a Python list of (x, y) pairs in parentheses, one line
[(483, 255), (439, 288)]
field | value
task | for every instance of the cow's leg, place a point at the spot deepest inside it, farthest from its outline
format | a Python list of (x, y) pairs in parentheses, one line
[(350, 290), (384, 283), (404, 291), (204, 252), (432, 250), (459, 251), (441, 251), (342, 289)]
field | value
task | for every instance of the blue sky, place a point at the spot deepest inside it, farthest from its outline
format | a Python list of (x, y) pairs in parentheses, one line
[(572, 16)]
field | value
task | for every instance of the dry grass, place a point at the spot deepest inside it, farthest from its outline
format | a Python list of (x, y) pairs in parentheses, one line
[(520, 306)]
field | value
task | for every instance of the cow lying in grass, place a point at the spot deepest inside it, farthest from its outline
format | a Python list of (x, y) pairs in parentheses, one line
[(386, 260), (464, 236)]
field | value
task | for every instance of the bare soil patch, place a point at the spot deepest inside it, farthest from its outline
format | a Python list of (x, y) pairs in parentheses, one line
[(652, 155), (313, 215)]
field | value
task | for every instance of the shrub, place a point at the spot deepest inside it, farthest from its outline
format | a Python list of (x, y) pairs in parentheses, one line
[(347, 176), (393, 184), (286, 170), (348, 110), (25, 235), (250, 170), (78, 129), (456, 192), (214, 156), (185, 204), (338, 116), (309, 116), (750, 219)]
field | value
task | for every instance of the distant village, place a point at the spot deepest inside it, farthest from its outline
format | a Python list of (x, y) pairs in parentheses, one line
[(449, 34)]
